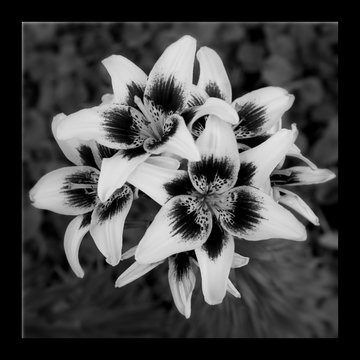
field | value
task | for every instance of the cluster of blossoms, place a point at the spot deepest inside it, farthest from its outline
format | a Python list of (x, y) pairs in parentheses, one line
[(216, 167)]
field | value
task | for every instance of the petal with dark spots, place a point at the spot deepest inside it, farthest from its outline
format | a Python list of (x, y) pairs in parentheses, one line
[(248, 213), (152, 179), (68, 191), (258, 163), (107, 224), (182, 224), (124, 127), (112, 125), (87, 156), (260, 110), (197, 96), (181, 286), (78, 151), (213, 77), (301, 175), (175, 139), (116, 170), (170, 79), (181, 185), (128, 80), (219, 166), (215, 267)]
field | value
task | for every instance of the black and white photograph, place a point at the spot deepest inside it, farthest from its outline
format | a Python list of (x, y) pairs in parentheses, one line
[(180, 180)]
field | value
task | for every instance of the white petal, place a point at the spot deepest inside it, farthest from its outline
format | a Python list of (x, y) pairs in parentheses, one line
[(134, 272), (164, 161), (129, 253), (301, 175), (276, 127), (101, 152), (230, 288), (219, 166), (112, 125), (107, 224), (177, 140), (258, 163), (171, 77), (251, 214), (217, 107), (295, 202), (294, 151), (127, 79), (115, 172), (260, 110), (62, 190), (68, 147), (181, 289), (215, 270), (84, 124), (107, 99), (180, 225), (213, 77), (79, 152), (74, 234), (239, 261), (152, 180)]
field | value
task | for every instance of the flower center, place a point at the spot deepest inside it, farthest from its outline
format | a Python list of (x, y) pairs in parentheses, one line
[(216, 203), (154, 123)]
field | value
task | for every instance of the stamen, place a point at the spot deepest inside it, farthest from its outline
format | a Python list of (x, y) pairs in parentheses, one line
[(148, 116), (73, 186), (142, 107)]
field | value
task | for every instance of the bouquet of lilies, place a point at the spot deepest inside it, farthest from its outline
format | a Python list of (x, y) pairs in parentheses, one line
[(215, 165)]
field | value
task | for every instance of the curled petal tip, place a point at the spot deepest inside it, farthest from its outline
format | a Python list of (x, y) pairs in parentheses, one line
[(187, 38), (118, 283), (60, 131), (291, 99), (80, 274), (32, 195), (187, 313), (112, 261), (330, 175), (107, 59), (213, 301)]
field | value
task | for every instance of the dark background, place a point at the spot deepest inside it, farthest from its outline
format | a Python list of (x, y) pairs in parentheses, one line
[(288, 289)]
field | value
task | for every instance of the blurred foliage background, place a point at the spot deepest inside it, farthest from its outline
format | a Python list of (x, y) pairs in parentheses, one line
[(288, 289)]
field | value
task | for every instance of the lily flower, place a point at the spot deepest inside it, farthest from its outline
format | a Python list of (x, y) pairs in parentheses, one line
[(260, 114), (181, 276), (145, 115), (72, 190), (259, 111), (208, 205)]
